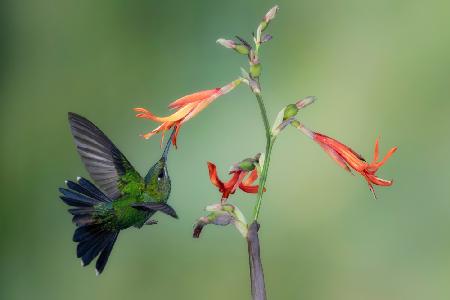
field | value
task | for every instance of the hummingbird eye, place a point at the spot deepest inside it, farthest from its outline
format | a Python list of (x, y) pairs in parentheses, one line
[(161, 174)]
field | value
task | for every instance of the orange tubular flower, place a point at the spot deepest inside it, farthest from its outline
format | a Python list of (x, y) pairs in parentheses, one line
[(347, 158), (236, 181), (187, 107)]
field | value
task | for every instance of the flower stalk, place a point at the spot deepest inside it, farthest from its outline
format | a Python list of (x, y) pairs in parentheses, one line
[(243, 174), (255, 264), (270, 139)]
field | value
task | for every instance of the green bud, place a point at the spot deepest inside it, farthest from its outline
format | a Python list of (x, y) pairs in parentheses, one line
[(290, 111), (247, 165), (241, 49), (295, 123), (255, 70)]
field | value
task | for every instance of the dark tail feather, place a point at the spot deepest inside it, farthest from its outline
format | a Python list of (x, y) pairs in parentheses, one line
[(85, 187), (103, 258), (83, 193), (93, 237), (72, 198), (93, 240), (83, 196)]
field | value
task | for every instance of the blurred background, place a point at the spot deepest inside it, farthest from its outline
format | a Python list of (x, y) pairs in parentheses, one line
[(378, 68)]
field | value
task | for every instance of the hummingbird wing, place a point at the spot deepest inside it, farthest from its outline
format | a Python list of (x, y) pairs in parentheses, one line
[(102, 159)]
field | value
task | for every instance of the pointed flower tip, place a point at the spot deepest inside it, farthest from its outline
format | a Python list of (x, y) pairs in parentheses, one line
[(270, 15), (146, 136), (226, 43), (302, 103)]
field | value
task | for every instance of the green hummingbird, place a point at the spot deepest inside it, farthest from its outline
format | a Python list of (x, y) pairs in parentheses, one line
[(122, 199)]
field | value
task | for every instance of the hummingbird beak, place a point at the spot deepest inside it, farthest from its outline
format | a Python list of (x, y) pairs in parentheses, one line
[(167, 147)]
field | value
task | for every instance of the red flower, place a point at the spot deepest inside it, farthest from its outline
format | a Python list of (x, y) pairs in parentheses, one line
[(188, 106), (347, 158), (236, 181)]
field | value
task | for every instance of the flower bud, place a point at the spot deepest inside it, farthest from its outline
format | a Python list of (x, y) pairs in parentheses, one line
[(305, 102), (222, 215), (230, 44), (241, 49), (270, 15), (226, 43), (255, 70), (295, 123), (284, 118), (290, 111), (246, 165), (266, 38), (244, 47)]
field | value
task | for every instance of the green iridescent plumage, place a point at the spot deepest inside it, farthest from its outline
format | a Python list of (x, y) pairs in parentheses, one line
[(123, 198)]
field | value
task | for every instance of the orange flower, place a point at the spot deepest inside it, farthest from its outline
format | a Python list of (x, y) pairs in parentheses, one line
[(237, 180), (347, 158), (188, 106)]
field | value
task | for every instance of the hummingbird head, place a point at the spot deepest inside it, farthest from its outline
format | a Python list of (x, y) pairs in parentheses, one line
[(157, 181)]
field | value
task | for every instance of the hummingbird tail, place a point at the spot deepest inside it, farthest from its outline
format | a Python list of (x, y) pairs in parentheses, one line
[(94, 238)]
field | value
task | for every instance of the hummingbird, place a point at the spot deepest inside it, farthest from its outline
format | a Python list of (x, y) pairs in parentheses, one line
[(121, 199)]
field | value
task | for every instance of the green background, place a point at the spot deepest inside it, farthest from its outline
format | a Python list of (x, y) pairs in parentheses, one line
[(378, 68)]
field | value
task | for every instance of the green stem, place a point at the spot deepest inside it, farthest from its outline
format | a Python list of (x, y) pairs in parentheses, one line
[(270, 140), (262, 108)]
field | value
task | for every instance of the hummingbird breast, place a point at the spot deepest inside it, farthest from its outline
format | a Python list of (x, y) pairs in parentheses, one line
[(126, 216)]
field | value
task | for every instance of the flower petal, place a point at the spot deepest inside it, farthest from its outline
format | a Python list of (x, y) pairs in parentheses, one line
[(247, 186), (178, 115), (251, 178), (251, 189), (378, 181), (231, 185), (389, 154), (213, 176), (198, 108), (195, 97), (351, 157), (376, 151), (154, 131), (336, 157)]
